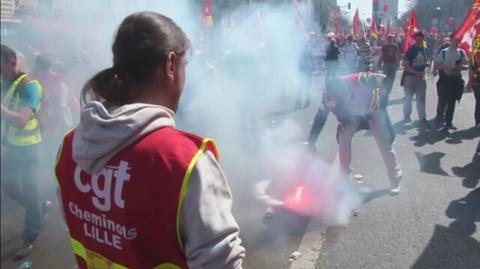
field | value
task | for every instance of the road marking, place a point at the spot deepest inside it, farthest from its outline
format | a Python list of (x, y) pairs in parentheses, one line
[(314, 237)]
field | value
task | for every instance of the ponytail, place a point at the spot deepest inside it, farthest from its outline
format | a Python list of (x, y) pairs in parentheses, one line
[(141, 46), (107, 86)]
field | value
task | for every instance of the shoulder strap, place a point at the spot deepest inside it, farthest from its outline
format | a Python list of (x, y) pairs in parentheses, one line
[(22, 83)]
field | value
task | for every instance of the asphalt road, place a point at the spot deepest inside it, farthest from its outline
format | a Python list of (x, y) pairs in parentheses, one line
[(433, 223)]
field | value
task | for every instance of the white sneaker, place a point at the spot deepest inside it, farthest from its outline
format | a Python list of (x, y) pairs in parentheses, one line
[(395, 183), (395, 188)]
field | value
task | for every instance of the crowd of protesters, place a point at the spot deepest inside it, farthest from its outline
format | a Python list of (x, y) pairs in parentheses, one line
[(37, 84), (433, 54)]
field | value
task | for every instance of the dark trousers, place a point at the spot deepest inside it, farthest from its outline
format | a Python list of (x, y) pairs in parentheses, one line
[(476, 92), (20, 182), (318, 124), (449, 90)]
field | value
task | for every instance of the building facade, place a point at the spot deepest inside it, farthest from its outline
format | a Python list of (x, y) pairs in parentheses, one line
[(386, 11)]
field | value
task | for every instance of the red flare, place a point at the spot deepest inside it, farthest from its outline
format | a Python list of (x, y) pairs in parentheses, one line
[(298, 194)]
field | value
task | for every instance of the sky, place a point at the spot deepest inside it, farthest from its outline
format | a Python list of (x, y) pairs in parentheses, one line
[(365, 7)]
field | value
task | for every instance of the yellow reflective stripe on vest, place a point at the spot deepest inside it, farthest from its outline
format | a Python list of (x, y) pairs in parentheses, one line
[(102, 262), (11, 90), (167, 266), (7, 99), (30, 134), (184, 189)]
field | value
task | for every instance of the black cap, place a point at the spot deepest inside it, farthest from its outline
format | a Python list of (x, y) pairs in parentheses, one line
[(43, 61)]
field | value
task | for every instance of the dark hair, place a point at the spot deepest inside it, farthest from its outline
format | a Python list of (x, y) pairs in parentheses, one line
[(419, 33), (142, 44), (7, 54), (43, 62)]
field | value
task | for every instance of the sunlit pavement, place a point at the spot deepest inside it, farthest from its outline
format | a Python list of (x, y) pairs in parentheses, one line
[(433, 223)]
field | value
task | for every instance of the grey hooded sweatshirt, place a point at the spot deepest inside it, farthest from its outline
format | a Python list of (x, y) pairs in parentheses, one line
[(208, 228)]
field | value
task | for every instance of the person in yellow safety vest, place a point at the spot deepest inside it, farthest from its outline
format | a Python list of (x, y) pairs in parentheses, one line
[(21, 136)]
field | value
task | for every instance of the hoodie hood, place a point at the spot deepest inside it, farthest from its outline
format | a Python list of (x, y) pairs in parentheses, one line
[(103, 133)]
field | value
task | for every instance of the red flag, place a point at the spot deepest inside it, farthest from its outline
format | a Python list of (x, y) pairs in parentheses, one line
[(373, 27), (385, 7), (357, 30), (207, 13), (338, 29), (410, 31), (469, 32)]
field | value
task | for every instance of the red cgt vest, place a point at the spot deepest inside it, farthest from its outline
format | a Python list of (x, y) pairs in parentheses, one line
[(128, 214)]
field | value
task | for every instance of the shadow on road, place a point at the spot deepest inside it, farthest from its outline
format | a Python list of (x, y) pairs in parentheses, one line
[(465, 211), (428, 136), (402, 128), (431, 163), (376, 194), (454, 246), (448, 249), (470, 174), (467, 134)]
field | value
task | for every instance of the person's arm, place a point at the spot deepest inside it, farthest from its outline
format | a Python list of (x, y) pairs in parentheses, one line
[(463, 65), (17, 119), (380, 60), (208, 228), (437, 63), (29, 102), (407, 64)]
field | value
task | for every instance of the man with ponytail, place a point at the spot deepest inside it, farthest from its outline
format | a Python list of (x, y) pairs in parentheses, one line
[(136, 191)]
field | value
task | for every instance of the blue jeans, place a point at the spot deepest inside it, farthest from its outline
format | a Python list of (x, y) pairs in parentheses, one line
[(20, 179), (390, 70), (418, 87)]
